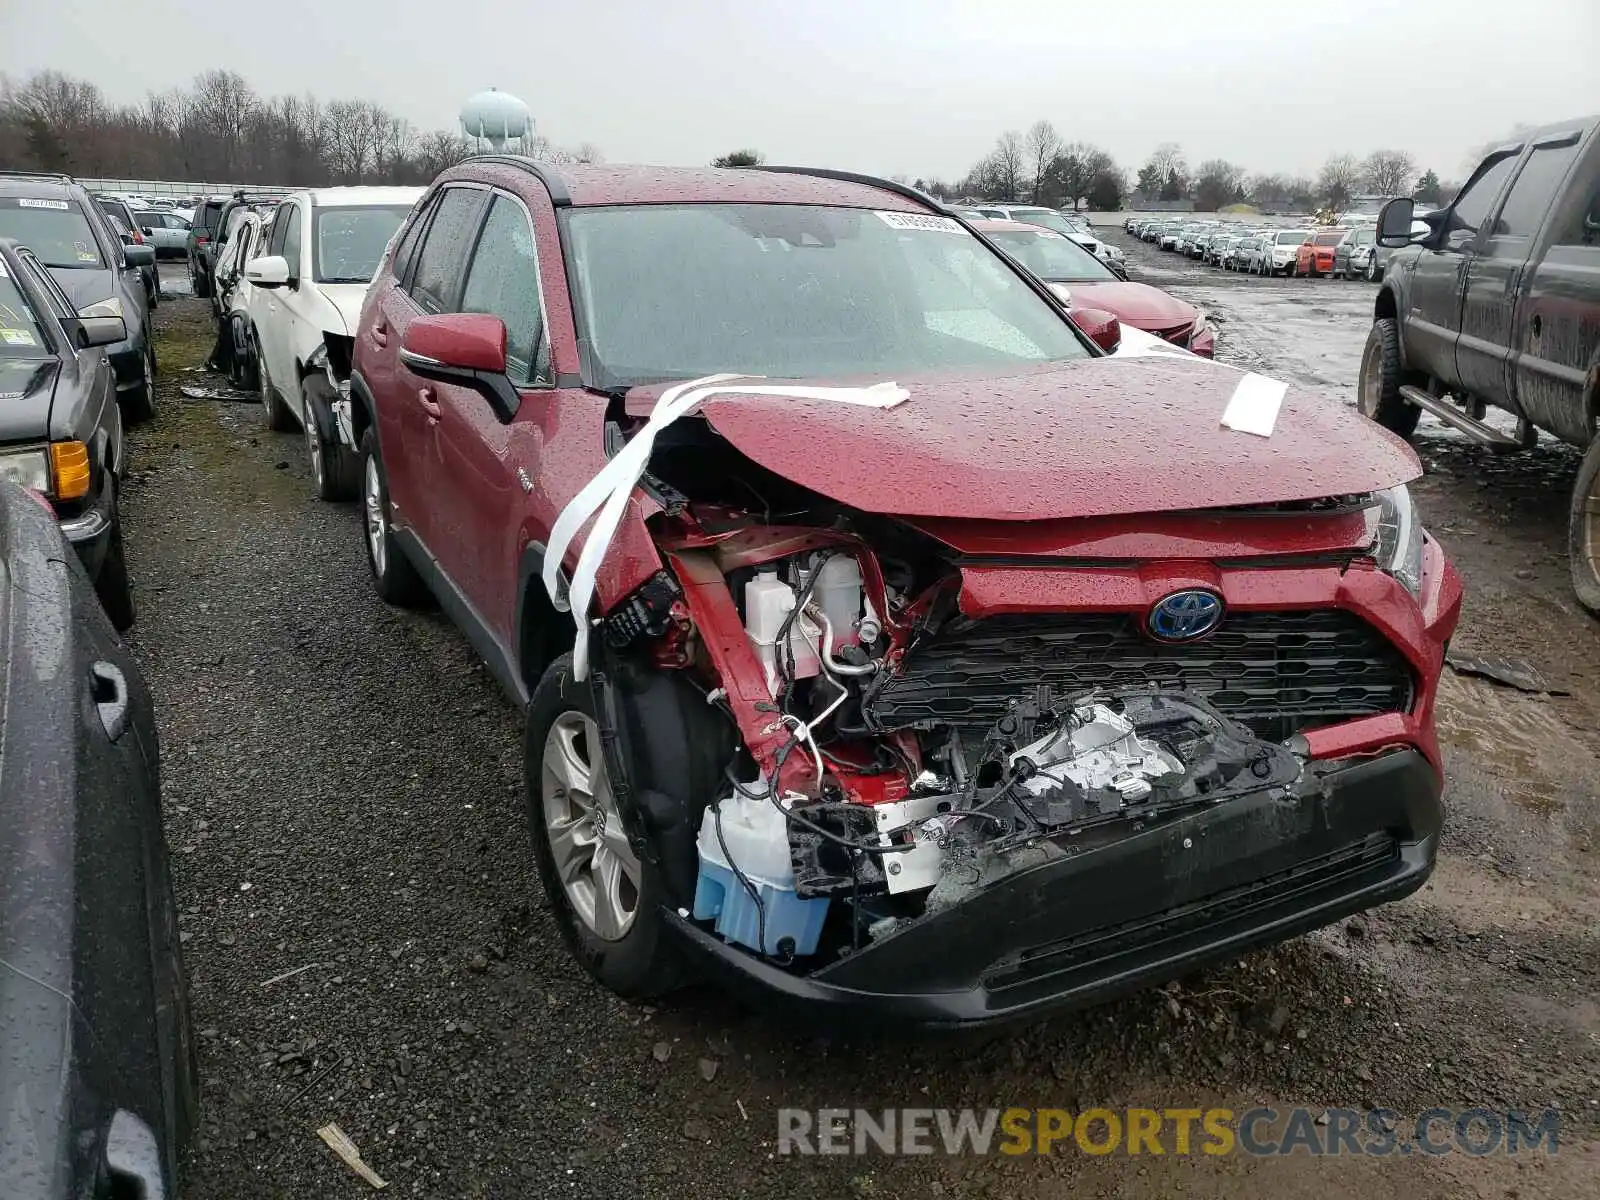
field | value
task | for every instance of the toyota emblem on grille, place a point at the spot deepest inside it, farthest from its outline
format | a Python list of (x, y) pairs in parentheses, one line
[(1183, 616)]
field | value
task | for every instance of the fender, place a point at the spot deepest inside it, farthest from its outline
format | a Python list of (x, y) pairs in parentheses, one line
[(535, 614)]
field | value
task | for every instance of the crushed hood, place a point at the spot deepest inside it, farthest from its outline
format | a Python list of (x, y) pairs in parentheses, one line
[(1096, 437)]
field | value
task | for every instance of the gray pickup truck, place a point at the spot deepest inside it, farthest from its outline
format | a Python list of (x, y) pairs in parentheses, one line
[(1494, 301)]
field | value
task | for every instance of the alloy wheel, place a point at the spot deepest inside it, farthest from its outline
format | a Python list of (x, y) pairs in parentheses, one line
[(593, 859), (313, 447), (377, 521)]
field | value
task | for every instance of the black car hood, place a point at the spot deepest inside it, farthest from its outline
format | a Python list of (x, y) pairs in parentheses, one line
[(26, 388), (84, 285)]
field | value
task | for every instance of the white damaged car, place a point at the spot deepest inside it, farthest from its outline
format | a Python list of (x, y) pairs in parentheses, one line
[(305, 294)]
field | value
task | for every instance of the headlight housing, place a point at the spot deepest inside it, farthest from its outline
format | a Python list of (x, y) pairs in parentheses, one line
[(30, 468), (1398, 548), (103, 308)]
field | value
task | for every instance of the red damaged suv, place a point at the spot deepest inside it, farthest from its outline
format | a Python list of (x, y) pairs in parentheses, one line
[(886, 646)]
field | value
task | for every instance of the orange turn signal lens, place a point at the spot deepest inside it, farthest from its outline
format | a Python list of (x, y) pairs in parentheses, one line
[(69, 469)]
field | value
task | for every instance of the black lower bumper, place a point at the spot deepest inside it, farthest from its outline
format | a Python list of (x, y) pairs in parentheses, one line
[(1134, 912), (89, 530)]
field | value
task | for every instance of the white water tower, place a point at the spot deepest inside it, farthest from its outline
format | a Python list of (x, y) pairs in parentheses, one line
[(497, 118)]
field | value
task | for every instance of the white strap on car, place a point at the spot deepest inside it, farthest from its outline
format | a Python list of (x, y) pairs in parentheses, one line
[(609, 491)]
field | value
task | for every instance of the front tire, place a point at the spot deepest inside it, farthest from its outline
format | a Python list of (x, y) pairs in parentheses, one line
[(139, 404), (112, 584), (1378, 390), (335, 472), (1583, 530), (605, 897), (394, 577)]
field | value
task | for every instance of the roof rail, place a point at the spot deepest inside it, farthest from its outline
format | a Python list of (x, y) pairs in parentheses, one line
[(261, 193), (52, 176), (888, 185), (545, 173)]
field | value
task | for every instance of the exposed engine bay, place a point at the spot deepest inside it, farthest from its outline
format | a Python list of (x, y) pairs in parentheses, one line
[(860, 823)]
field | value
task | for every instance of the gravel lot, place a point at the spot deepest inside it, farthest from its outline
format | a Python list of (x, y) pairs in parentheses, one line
[(344, 801)]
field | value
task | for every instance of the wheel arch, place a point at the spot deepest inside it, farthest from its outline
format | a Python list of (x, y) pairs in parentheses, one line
[(538, 620)]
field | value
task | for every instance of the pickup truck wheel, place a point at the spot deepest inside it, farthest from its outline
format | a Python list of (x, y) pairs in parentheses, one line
[(1583, 531), (335, 472), (1378, 392), (394, 577), (279, 418), (605, 897), (112, 584)]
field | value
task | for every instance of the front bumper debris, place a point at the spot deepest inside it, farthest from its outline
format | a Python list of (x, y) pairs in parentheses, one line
[(1085, 924)]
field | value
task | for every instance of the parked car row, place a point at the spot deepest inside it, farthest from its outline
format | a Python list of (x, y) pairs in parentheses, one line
[(1068, 225), (1235, 245), (634, 449)]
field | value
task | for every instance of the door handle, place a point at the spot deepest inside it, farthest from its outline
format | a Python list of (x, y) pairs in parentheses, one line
[(380, 333), (110, 689), (1538, 324), (430, 405)]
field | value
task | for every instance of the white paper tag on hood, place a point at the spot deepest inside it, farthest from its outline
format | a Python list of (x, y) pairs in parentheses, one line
[(1254, 405)]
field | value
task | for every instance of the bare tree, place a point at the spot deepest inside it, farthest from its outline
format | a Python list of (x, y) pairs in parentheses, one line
[(1005, 171), (1042, 145), (1339, 177), (439, 151), (1168, 170), (1389, 172)]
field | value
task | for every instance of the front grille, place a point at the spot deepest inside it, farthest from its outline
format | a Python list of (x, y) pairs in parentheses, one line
[(1277, 672), (1353, 865)]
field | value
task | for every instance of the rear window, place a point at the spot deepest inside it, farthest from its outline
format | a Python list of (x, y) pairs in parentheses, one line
[(1330, 239), (20, 336), (1293, 237), (205, 216), (57, 231)]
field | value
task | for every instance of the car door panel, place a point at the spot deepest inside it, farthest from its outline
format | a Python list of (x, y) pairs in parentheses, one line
[(408, 403), (1556, 329), (476, 481), (1496, 276)]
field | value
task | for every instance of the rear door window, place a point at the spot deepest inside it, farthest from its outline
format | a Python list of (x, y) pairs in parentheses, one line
[(1535, 188)]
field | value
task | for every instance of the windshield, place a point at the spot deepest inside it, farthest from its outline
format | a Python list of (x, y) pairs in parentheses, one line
[(20, 336), (351, 241), (55, 230), (1296, 236), (792, 291), (1050, 256)]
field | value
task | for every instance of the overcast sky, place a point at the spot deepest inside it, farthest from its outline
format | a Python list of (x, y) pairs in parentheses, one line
[(919, 87)]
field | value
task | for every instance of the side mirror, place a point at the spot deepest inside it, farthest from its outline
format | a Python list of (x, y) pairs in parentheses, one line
[(466, 349), (1099, 326), (1117, 269), (269, 271), (139, 256), (100, 331), (1394, 222)]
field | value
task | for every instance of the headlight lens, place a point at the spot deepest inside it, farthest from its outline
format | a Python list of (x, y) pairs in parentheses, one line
[(30, 468), (318, 357), (1399, 543), (103, 308)]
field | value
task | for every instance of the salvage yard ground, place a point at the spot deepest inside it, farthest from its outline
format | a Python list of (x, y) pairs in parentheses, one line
[(343, 787)]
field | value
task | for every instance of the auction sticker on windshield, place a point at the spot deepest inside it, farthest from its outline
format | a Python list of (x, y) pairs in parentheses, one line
[(17, 337), (28, 202), (925, 221)]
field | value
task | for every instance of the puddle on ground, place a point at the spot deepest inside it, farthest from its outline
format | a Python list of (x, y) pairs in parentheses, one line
[(1529, 748)]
